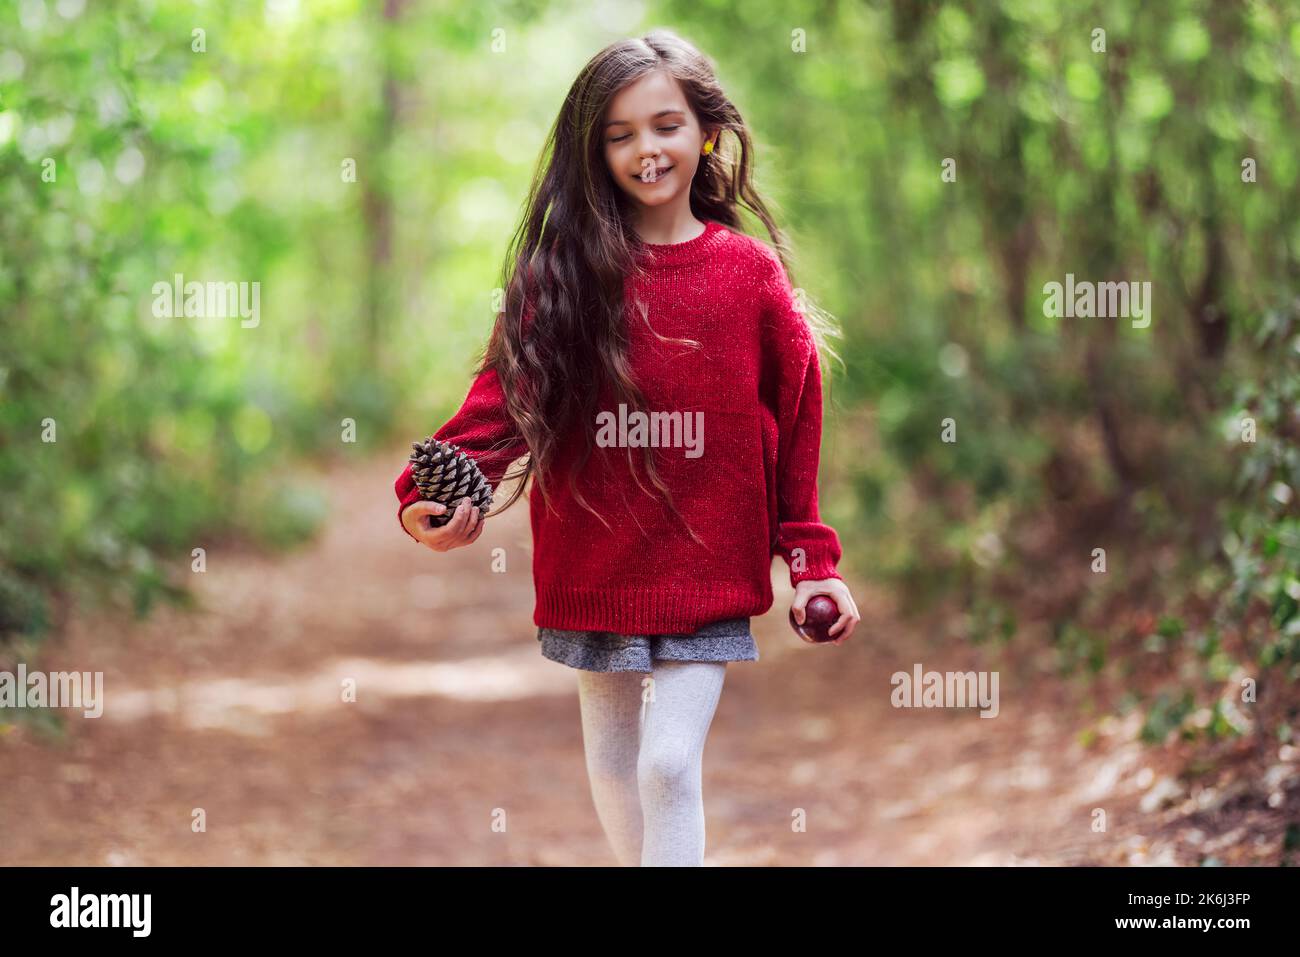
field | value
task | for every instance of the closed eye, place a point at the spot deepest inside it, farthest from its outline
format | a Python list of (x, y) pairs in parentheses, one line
[(662, 129)]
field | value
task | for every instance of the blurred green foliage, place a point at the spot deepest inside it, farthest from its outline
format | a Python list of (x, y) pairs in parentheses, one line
[(1123, 161), (1116, 142)]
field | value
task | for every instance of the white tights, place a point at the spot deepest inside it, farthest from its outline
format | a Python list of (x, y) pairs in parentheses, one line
[(643, 735)]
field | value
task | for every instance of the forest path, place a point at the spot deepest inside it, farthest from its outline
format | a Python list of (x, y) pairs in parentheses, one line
[(458, 721)]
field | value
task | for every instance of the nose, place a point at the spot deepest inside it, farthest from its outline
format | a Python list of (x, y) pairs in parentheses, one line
[(649, 149)]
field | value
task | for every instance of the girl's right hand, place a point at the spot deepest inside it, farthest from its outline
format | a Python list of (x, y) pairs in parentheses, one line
[(466, 525)]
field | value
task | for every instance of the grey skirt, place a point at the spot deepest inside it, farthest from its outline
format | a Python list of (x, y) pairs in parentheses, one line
[(727, 640)]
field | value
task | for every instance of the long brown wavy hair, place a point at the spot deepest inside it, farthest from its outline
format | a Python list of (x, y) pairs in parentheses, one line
[(575, 248)]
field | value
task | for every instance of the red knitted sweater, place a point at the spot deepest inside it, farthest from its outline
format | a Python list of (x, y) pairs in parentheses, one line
[(750, 495)]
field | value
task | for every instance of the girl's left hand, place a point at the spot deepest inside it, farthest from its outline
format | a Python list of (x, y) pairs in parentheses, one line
[(837, 591)]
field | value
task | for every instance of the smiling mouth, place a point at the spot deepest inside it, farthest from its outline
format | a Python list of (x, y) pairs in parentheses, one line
[(653, 175)]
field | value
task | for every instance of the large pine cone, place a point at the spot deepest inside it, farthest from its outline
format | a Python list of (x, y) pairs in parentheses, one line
[(444, 474)]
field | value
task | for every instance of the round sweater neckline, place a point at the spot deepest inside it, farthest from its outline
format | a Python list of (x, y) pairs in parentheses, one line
[(689, 251)]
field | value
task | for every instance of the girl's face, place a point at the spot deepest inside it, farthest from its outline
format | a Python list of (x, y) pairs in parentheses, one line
[(653, 142)]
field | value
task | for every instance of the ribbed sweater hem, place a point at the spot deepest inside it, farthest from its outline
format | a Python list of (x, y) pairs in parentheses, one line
[(647, 611)]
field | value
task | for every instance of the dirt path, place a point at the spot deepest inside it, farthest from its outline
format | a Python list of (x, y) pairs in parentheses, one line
[(458, 720)]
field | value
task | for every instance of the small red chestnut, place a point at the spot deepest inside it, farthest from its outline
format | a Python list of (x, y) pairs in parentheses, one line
[(818, 615)]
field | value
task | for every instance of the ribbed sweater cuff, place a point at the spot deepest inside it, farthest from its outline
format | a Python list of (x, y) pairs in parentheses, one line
[(819, 568), (407, 492)]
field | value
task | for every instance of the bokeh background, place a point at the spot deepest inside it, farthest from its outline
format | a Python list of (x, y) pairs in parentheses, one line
[(1162, 689)]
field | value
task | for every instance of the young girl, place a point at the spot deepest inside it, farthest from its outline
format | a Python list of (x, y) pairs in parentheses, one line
[(638, 315)]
